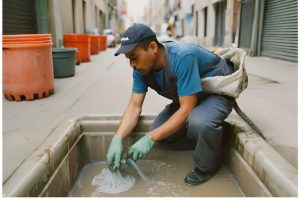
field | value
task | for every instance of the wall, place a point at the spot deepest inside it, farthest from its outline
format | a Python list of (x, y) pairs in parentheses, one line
[(186, 14), (102, 14), (55, 26), (90, 13), (66, 15), (155, 13), (231, 18)]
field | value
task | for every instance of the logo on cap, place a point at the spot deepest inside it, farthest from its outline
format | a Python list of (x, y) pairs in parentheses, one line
[(124, 39)]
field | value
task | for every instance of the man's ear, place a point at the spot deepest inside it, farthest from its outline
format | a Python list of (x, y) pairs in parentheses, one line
[(153, 46)]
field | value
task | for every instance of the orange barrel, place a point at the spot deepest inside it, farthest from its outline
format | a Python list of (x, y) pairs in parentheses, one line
[(94, 44), (27, 41), (82, 42), (26, 37), (101, 46), (27, 67), (103, 42)]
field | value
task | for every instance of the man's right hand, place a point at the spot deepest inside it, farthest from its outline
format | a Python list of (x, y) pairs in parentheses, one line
[(114, 153)]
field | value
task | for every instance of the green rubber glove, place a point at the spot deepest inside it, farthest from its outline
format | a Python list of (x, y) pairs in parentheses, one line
[(141, 147), (114, 153)]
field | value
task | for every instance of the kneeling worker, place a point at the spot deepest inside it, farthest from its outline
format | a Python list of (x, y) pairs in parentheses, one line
[(193, 119)]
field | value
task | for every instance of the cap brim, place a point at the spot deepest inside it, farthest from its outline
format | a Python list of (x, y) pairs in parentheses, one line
[(125, 48)]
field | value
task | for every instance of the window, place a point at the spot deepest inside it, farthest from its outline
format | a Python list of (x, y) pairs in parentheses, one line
[(205, 21)]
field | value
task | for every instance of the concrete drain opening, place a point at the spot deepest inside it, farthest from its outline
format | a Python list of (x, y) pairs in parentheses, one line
[(71, 162)]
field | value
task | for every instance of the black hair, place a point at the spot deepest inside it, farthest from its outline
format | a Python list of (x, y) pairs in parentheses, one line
[(146, 42)]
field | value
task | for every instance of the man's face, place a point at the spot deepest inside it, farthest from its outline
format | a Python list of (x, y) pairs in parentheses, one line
[(142, 60)]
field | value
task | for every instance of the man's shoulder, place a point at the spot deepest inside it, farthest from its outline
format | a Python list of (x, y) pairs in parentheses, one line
[(181, 49), (182, 46)]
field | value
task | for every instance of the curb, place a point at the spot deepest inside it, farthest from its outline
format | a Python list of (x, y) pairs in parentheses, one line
[(276, 174)]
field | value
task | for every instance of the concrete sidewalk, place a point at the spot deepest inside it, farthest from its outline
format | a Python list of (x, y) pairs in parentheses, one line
[(103, 86), (271, 102)]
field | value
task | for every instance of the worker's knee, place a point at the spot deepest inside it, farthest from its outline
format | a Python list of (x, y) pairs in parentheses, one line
[(203, 127), (197, 126)]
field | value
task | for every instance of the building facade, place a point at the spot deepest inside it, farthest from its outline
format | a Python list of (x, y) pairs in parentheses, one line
[(216, 22), (59, 17), (262, 27)]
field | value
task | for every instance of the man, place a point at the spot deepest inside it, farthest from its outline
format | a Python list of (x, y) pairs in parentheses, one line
[(193, 120)]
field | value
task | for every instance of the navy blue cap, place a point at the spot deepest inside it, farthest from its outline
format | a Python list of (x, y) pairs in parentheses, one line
[(132, 36)]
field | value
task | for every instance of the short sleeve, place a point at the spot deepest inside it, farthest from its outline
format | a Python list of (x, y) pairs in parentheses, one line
[(139, 84), (188, 76)]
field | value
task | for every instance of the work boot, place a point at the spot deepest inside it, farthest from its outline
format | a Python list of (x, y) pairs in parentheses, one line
[(196, 177)]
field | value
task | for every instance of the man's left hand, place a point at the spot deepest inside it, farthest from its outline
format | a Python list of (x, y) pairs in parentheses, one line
[(141, 147)]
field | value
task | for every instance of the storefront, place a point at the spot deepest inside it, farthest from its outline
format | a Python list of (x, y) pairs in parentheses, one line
[(25, 17), (280, 30)]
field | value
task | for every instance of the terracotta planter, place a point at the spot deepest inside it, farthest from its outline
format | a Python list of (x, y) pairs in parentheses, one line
[(103, 39), (26, 37), (95, 44), (64, 62), (27, 70), (30, 38), (27, 42), (80, 41)]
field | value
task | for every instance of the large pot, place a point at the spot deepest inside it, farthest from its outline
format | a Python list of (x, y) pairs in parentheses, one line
[(83, 44), (27, 67), (63, 62)]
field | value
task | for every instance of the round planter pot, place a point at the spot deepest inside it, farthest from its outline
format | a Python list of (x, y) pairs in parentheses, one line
[(103, 40), (83, 44), (95, 44), (26, 37), (27, 71), (64, 62)]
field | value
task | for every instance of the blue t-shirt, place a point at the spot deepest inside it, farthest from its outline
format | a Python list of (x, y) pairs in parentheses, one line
[(189, 63)]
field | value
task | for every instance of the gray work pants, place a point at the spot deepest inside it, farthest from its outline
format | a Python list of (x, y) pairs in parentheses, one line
[(203, 131)]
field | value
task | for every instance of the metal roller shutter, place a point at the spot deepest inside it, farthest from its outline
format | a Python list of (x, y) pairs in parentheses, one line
[(19, 17), (220, 8), (246, 25), (280, 30)]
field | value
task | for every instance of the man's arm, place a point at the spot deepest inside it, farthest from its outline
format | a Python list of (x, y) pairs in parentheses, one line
[(177, 120), (131, 115)]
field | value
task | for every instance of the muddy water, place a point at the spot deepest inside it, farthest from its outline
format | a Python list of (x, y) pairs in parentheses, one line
[(166, 178)]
